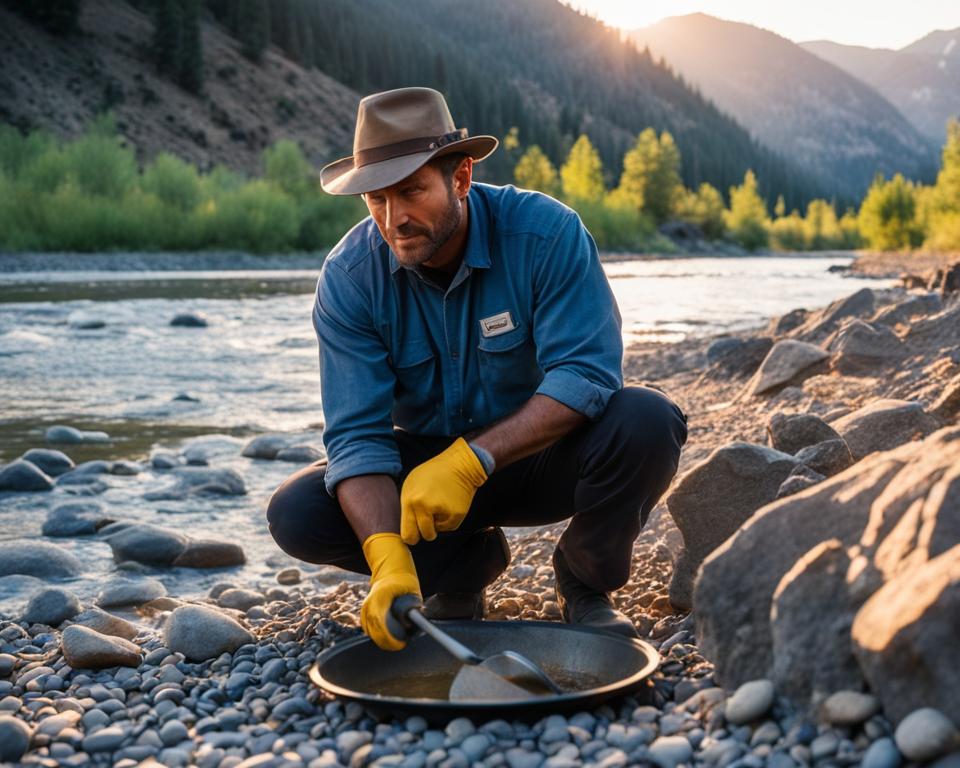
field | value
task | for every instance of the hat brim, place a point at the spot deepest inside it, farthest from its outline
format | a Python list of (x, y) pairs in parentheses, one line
[(341, 178)]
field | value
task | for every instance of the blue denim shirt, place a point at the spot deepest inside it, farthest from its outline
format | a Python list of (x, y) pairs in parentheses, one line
[(529, 311)]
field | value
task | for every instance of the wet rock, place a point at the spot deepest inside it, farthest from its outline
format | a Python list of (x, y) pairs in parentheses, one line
[(925, 734), (750, 702), (863, 349), (811, 602), (83, 648), (120, 592), (847, 708), (14, 739), (882, 425), (791, 433), (240, 599), (75, 518), (144, 543), (207, 553), (21, 476), (106, 623), (30, 557), (185, 397), (49, 461), (61, 433), (82, 320), (904, 638), (202, 633), (200, 480), (828, 458), (164, 460), (125, 468), (800, 479), (301, 454), (265, 446), (714, 498), (189, 320), (786, 363), (51, 606)]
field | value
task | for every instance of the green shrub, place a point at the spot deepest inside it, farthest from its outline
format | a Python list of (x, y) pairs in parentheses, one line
[(324, 219), (257, 217), (174, 182)]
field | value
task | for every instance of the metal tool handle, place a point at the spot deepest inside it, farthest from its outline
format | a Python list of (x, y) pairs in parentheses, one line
[(405, 615)]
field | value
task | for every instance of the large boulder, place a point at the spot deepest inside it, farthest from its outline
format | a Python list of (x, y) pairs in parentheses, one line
[(83, 648), (733, 595), (864, 349), (731, 358), (809, 604), (947, 406), (21, 475), (882, 425), (30, 557), (145, 543), (935, 333), (903, 312), (788, 362), (905, 638), (714, 498), (790, 432), (202, 633), (823, 323), (888, 514)]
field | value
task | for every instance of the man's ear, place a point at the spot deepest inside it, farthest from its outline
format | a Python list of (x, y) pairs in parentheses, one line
[(462, 177)]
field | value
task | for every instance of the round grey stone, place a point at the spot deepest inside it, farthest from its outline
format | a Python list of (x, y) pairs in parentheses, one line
[(30, 557), (202, 633), (121, 591), (849, 707), (22, 476), (83, 648), (173, 732), (51, 606), (14, 738), (670, 751), (883, 753), (925, 734), (50, 461), (749, 702)]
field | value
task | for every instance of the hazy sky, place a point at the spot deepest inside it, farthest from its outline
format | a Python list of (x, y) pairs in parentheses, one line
[(876, 23)]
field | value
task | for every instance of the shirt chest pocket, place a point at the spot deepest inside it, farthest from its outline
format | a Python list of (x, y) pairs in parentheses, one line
[(509, 372), (417, 383)]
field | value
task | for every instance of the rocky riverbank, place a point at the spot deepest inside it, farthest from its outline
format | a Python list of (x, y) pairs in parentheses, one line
[(825, 410)]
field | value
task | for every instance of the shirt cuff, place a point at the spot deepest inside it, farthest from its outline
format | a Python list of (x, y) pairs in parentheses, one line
[(576, 392), (361, 460)]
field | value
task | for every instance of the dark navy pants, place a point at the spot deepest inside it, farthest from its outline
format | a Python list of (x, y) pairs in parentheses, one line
[(605, 476)]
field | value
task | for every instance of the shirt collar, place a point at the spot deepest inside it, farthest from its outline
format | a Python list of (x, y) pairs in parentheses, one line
[(476, 254)]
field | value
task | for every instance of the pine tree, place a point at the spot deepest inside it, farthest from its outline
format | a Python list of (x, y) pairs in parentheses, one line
[(190, 74), (167, 37), (582, 174), (253, 27), (535, 171)]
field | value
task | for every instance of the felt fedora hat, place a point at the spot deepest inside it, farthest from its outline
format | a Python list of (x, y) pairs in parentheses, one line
[(397, 132)]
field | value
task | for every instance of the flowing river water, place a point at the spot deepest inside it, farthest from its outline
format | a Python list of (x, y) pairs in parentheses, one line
[(96, 350)]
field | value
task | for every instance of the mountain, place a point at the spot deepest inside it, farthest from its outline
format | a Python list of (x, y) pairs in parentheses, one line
[(59, 83), (818, 115), (538, 65), (922, 79)]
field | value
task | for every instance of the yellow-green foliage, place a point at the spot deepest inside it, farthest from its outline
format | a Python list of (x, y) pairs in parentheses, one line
[(747, 219), (535, 171), (788, 233), (651, 175), (582, 174), (88, 195), (703, 208), (887, 217), (939, 209)]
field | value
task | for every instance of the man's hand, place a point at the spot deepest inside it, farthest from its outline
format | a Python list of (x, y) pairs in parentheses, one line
[(392, 573), (436, 496)]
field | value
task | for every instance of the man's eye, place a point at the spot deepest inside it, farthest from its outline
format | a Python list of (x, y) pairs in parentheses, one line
[(374, 200)]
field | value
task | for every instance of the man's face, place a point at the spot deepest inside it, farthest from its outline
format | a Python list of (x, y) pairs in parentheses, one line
[(417, 215)]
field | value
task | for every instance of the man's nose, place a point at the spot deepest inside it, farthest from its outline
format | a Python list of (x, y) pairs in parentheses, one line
[(396, 215)]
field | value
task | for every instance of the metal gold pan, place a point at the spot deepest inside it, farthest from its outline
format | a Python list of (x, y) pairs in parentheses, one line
[(602, 665)]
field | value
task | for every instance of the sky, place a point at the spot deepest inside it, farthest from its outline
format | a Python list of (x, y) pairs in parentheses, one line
[(873, 23)]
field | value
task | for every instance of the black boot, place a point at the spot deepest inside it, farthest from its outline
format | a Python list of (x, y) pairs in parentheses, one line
[(460, 594), (581, 604)]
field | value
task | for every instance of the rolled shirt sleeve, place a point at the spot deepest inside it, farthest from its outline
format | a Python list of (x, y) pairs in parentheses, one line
[(356, 382), (576, 323)]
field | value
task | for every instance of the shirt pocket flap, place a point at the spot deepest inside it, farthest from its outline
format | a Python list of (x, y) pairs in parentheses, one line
[(505, 341), (413, 352)]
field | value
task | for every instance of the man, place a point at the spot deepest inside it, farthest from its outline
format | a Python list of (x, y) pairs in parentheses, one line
[(470, 363)]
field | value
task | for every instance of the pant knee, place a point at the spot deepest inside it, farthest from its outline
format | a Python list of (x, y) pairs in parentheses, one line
[(298, 514), (646, 421)]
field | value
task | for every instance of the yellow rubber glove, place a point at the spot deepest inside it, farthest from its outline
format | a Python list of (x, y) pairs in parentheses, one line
[(436, 496), (392, 573)]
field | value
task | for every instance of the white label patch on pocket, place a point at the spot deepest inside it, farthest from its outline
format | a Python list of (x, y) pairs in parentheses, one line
[(496, 324)]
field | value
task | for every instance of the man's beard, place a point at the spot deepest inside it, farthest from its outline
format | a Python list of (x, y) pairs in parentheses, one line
[(433, 240)]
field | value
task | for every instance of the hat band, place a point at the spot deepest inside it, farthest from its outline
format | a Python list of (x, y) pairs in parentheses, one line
[(364, 157)]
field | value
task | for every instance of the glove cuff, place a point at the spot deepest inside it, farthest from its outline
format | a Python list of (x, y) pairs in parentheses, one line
[(467, 462), (387, 554)]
